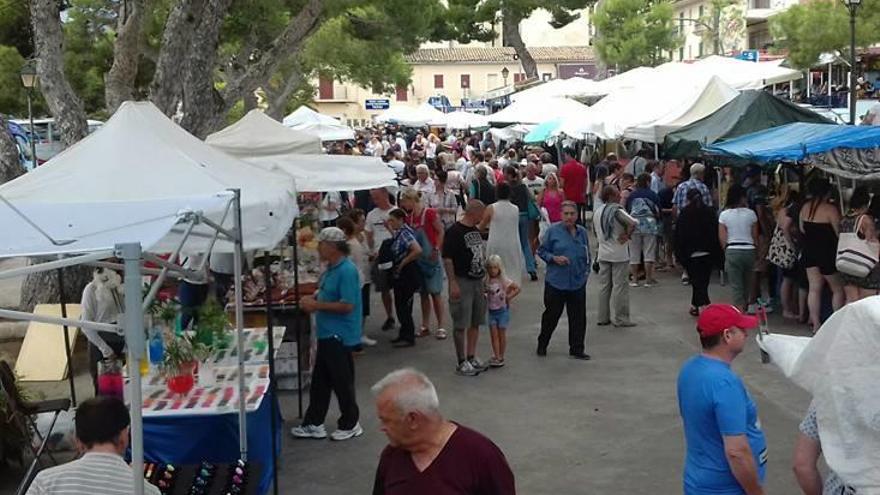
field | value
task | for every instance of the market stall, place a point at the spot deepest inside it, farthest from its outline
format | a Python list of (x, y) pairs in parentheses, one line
[(536, 111), (750, 111), (258, 130), (846, 151), (461, 120), (573, 87), (145, 182), (640, 113), (327, 128), (423, 115)]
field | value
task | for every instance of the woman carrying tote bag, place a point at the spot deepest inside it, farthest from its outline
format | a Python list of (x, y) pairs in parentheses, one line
[(858, 249)]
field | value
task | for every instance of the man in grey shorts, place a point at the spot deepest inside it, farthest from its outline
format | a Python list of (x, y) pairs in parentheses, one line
[(464, 257)]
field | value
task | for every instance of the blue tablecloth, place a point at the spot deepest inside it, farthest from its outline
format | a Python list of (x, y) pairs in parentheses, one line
[(193, 439)]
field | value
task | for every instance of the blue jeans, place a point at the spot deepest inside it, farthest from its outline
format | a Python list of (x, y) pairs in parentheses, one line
[(524, 244)]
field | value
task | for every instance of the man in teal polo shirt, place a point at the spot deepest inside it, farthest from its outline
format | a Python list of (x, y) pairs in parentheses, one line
[(337, 308)]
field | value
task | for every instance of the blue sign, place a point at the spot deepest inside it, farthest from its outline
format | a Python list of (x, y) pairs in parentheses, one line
[(748, 55), (378, 104)]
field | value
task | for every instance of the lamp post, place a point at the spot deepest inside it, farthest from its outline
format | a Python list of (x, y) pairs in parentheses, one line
[(852, 6), (504, 73), (30, 79)]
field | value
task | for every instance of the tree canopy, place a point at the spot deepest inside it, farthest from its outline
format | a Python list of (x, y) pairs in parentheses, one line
[(807, 30), (633, 33)]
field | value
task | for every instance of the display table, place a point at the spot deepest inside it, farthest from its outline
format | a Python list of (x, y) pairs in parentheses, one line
[(203, 424)]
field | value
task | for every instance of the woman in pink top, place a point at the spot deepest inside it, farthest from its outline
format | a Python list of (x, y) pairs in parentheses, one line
[(551, 198)]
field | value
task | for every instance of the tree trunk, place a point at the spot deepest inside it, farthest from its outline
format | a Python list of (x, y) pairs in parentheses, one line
[(278, 101), (42, 288), (10, 165), (288, 43), (511, 37), (203, 109), (167, 84), (64, 104), (119, 80)]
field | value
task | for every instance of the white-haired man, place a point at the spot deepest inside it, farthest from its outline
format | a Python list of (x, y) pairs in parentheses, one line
[(698, 173), (461, 461)]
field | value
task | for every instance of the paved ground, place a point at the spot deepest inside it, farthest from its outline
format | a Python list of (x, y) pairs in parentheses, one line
[(606, 426)]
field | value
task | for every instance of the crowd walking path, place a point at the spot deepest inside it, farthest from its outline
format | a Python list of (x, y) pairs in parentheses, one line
[(610, 425)]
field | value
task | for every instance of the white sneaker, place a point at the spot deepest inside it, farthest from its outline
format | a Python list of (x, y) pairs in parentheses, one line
[(309, 431), (368, 341), (466, 369), (340, 435)]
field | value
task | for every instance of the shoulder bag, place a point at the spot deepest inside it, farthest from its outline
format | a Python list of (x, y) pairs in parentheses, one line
[(856, 256), (781, 253)]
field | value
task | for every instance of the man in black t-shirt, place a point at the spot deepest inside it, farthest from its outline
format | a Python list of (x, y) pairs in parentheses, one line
[(464, 257)]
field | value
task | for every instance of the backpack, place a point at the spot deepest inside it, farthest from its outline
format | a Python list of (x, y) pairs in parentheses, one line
[(645, 211)]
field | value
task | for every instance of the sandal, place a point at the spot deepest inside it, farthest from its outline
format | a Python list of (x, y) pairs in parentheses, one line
[(440, 334), (694, 311), (423, 332)]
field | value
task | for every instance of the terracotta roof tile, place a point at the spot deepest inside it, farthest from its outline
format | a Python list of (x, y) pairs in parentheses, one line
[(499, 54)]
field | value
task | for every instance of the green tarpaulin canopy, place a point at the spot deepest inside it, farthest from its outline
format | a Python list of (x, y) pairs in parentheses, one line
[(751, 111)]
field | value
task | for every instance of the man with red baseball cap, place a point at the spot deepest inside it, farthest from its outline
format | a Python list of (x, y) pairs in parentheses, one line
[(726, 449)]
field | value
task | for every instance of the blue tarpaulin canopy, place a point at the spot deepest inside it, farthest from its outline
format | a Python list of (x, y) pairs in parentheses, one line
[(796, 142), (543, 132)]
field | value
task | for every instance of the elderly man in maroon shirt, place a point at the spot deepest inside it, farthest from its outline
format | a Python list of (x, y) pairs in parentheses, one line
[(428, 454)]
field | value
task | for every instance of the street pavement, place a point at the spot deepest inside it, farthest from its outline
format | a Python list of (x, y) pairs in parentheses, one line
[(609, 425)]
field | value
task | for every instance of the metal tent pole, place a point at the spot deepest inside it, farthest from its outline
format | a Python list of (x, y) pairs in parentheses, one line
[(134, 338), (267, 273), (239, 327), (296, 325), (67, 351)]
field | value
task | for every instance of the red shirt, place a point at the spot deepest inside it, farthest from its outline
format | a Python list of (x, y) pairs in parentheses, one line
[(429, 215), (469, 464), (575, 177)]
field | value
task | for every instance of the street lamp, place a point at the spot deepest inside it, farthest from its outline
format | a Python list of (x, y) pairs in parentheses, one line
[(852, 6), (504, 73), (30, 79)]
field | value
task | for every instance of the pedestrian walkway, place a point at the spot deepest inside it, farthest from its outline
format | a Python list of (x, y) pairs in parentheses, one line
[(610, 425)]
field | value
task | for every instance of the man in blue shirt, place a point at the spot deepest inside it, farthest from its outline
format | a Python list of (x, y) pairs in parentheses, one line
[(726, 449), (567, 254), (337, 308)]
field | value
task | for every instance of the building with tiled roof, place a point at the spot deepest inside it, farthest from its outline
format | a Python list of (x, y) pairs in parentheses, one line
[(457, 75), (488, 55)]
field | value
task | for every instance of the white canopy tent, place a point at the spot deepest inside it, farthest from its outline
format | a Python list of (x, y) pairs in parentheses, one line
[(256, 130), (703, 101), (311, 122), (575, 87), (140, 184), (638, 113), (536, 111), (128, 169), (625, 80), (424, 114), (742, 74), (312, 173), (465, 120), (510, 133)]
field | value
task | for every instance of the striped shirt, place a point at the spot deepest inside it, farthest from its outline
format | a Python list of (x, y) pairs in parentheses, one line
[(93, 474)]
